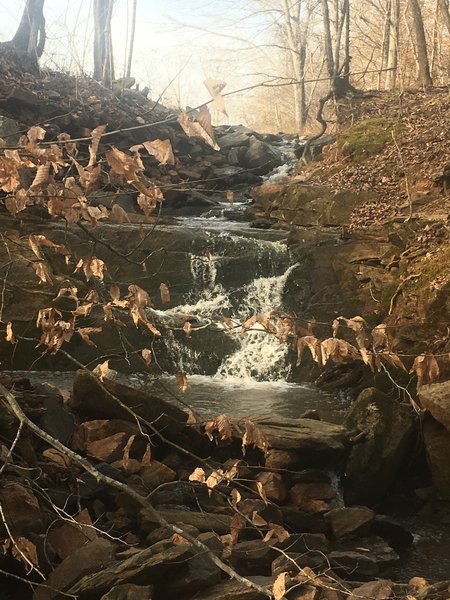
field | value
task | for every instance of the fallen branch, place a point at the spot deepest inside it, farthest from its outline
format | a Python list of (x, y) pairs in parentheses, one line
[(14, 407)]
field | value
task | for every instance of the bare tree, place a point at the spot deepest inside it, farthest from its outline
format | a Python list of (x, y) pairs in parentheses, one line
[(131, 40), (423, 65), (103, 51), (392, 59), (30, 35), (445, 12)]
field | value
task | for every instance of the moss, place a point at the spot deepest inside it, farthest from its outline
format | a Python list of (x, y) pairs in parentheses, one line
[(369, 137)]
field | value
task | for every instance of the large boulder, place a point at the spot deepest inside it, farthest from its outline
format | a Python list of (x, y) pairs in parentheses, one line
[(436, 398), (261, 157), (388, 427), (437, 446)]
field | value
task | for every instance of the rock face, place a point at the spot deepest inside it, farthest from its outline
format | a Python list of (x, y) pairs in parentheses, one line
[(437, 446), (373, 464), (436, 398), (351, 520)]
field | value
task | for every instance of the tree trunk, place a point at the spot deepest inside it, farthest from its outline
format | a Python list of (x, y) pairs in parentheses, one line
[(30, 35), (132, 35), (103, 53), (445, 12), (424, 75), (392, 62)]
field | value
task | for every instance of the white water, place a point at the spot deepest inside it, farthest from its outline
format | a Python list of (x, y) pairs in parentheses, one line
[(259, 355)]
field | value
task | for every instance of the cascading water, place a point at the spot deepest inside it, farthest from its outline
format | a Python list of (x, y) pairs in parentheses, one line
[(238, 279)]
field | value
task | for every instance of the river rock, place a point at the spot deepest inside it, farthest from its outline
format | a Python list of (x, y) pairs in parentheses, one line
[(365, 557), (20, 507), (436, 398), (353, 520), (127, 591), (198, 574), (203, 521), (143, 568), (234, 590), (312, 497), (93, 557), (437, 446), (282, 459), (373, 590), (310, 438), (391, 531), (301, 522), (373, 463), (273, 485), (253, 557)]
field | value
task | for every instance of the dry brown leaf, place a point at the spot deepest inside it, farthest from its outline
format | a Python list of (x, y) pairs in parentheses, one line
[(338, 351), (93, 148), (57, 457), (393, 360), (220, 429), (102, 370), (426, 369), (279, 587), (23, 551), (149, 198), (147, 458), (119, 215), (277, 532), (261, 492), (126, 453), (198, 475), (254, 436), (165, 294), (187, 328), (42, 176), (35, 134), (85, 332), (9, 333), (42, 272), (201, 128), (147, 355), (17, 203), (257, 520), (379, 336), (235, 497), (230, 197), (161, 150), (311, 342), (182, 382)]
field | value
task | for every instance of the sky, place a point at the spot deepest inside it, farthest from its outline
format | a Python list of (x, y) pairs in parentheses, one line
[(175, 49)]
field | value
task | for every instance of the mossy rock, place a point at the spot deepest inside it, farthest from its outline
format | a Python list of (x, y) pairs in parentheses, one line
[(369, 137)]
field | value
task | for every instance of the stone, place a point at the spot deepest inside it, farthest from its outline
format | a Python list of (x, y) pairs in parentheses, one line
[(261, 157), (273, 485), (365, 557), (270, 512), (212, 541), (93, 431), (128, 591), (143, 568), (155, 474), (108, 449), (307, 436), (21, 508), (353, 520), (301, 522), (305, 592), (391, 531), (70, 536), (58, 422), (203, 521), (437, 447), (233, 590), (374, 462), (373, 590), (436, 398), (91, 558), (253, 557), (292, 562), (199, 573), (282, 459), (304, 543), (312, 497)]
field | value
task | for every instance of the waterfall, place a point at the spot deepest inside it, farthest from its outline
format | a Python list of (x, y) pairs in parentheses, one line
[(238, 277)]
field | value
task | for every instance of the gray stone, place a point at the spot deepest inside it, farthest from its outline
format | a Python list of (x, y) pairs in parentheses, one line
[(437, 447), (129, 591), (436, 398), (373, 463), (365, 557), (350, 521)]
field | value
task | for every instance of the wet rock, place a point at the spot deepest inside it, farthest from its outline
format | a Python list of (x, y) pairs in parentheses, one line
[(307, 436), (292, 562), (58, 422), (392, 531), (436, 398), (91, 558), (212, 541), (235, 136), (71, 536), (143, 568), (306, 592), (127, 591), (268, 511), (373, 463), (261, 157), (437, 446), (365, 557), (354, 520)]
